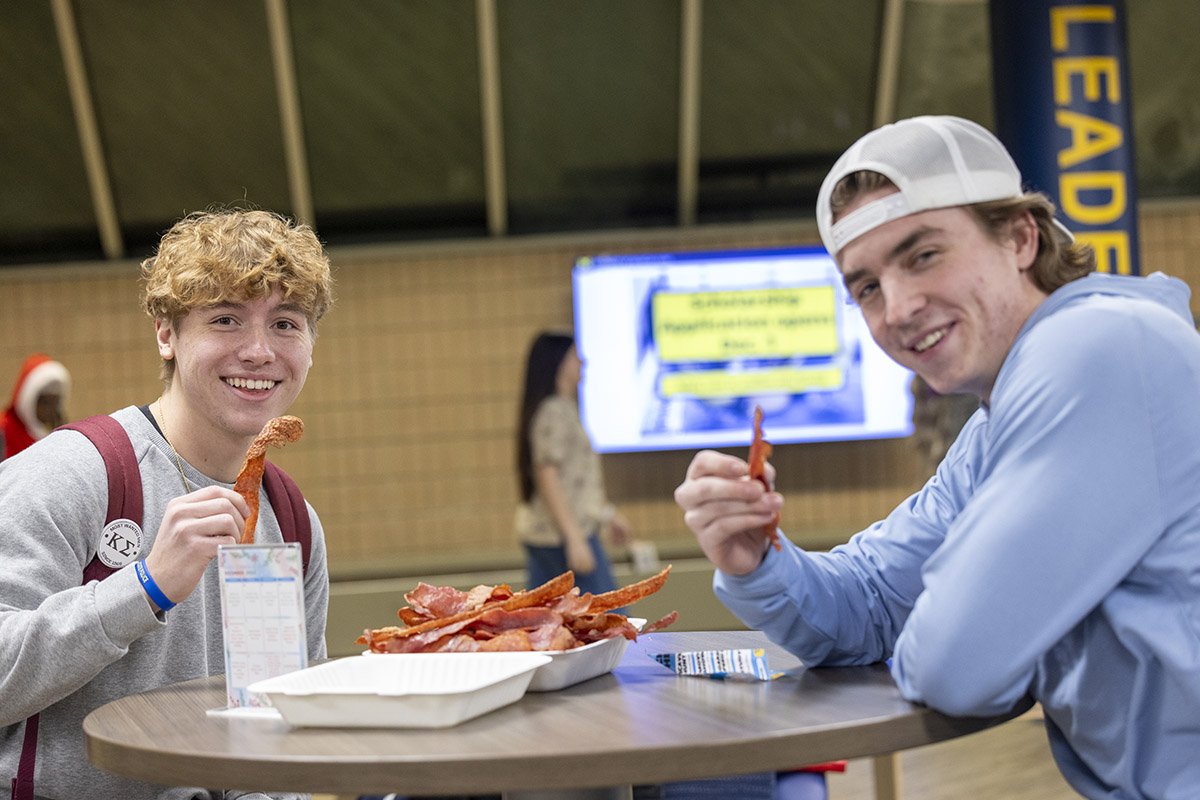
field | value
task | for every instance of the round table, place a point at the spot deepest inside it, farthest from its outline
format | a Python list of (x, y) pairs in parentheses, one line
[(640, 724)]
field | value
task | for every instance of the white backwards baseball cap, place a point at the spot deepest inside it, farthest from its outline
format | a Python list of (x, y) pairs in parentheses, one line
[(935, 162)]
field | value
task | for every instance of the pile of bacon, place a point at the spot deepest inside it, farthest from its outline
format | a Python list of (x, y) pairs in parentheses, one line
[(553, 616)]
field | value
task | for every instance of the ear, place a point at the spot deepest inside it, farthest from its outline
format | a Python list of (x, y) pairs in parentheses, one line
[(164, 332), (1023, 238)]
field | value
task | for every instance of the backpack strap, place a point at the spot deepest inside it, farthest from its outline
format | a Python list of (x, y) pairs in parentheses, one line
[(124, 502), (22, 785), (124, 479), (290, 509)]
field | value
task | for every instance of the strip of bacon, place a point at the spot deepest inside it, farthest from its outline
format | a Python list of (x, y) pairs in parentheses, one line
[(558, 638), (595, 627), (511, 641), (498, 620), (572, 604), (398, 643), (760, 451), (628, 595), (275, 433), (435, 602), (662, 623)]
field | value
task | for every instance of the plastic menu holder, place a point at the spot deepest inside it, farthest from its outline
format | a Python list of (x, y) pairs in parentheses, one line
[(262, 614)]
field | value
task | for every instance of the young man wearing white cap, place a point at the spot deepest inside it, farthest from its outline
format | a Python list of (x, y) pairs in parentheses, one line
[(1056, 552)]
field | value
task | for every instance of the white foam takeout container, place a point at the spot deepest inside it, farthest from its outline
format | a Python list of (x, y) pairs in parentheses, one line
[(401, 690), (569, 667)]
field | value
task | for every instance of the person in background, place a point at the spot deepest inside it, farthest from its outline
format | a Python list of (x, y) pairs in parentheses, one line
[(564, 507), (235, 297), (39, 404), (1056, 551), (937, 420)]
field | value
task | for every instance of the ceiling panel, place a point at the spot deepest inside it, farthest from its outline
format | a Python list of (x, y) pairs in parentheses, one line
[(389, 90), (590, 94), (188, 112), (45, 205), (778, 104), (187, 108)]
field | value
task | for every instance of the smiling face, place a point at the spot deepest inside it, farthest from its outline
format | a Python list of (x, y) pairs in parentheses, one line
[(237, 366), (940, 296)]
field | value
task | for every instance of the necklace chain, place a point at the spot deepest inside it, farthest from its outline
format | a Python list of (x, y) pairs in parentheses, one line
[(162, 412)]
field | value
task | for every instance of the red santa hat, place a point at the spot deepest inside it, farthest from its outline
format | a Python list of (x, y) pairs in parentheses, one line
[(39, 374)]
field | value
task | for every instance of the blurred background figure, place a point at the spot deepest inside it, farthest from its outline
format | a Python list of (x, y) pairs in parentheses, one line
[(937, 420), (39, 404), (564, 507)]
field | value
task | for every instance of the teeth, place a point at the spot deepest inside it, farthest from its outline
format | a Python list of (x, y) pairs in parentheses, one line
[(243, 383), (929, 341)]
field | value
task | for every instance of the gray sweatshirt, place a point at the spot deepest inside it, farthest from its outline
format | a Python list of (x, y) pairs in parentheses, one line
[(65, 648)]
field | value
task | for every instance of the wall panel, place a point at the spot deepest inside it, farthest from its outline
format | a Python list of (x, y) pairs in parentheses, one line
[(411, 404)]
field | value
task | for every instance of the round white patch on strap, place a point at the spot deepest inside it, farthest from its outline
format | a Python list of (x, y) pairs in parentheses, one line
[(120, 543)]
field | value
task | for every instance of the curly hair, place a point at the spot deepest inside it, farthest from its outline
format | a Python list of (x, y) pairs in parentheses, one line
[(234, 255), (1056, 264)]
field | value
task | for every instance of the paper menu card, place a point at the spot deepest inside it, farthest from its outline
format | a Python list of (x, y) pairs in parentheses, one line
[(262, 614)]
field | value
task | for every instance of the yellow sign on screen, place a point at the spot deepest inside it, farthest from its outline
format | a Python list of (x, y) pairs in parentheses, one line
[(713, 384), (753, 323)]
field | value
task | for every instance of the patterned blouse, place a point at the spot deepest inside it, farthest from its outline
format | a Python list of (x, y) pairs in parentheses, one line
[(558, 438)]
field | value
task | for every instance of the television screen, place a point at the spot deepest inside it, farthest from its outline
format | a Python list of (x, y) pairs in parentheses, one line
[(678, 349)]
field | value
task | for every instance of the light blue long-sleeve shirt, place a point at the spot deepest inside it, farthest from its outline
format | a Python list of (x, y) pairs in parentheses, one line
[(1056, 552)]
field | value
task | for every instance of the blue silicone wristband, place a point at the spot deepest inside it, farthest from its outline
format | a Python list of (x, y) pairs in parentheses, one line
[(156, 594)]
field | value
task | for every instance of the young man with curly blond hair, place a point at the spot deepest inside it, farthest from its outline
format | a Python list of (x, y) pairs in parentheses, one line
[(235, 297)]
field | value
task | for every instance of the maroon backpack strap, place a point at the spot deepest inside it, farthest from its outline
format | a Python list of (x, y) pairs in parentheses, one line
[(124, 502), (124, 479), (290, 509), (22, 785)]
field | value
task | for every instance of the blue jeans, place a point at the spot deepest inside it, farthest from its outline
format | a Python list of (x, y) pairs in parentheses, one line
[(546, 563)]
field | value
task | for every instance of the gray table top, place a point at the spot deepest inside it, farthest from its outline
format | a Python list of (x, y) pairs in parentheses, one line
[(638, 724)]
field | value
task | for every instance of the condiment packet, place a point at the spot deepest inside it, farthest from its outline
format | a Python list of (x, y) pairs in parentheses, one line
[(744, 664)]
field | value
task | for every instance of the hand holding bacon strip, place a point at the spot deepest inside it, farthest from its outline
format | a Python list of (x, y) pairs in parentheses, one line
[(760, 451)]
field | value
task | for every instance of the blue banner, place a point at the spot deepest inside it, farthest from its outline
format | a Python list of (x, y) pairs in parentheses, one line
[(1063, 108)]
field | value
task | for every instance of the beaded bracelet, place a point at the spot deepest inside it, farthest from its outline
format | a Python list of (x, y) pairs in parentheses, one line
[(156, 594)]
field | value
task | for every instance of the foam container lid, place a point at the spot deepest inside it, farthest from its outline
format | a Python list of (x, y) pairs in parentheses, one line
[(424, 690)]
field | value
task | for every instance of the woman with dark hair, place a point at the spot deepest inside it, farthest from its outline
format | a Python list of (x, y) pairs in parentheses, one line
[(563, 507)]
